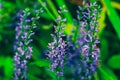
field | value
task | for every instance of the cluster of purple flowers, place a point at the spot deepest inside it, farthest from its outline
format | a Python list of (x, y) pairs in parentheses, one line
[(84, 53), (22, 48), (80, 55), (57, 48)]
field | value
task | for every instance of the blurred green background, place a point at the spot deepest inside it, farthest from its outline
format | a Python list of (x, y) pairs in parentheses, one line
[(109, 34)]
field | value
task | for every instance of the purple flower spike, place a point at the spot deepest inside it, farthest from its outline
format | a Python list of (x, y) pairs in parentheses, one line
[(23, 51), (56, 52), (83, 54)]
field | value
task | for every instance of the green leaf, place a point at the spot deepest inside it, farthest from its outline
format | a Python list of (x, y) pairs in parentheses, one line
[(34, 78), (52, 7), (107, 74), (113, 16), (46, 9), (51, 74), (114, 62), (104, 49), (93, 1), (36, 53), (8, 65), (96, 76), (1, 61), (34, 70), (0, 37), (41, 63)]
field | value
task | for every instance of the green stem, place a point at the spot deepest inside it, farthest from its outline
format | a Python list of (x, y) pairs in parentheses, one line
[(52, 7), (47, 10)]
